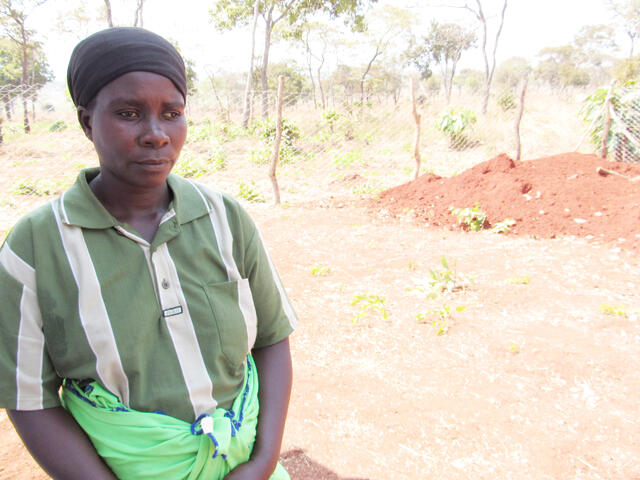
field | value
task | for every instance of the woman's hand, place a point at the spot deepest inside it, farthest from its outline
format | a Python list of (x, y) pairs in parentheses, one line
[(250, 470)]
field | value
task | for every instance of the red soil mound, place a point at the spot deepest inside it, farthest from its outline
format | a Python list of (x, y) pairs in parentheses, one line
[(560, 195)]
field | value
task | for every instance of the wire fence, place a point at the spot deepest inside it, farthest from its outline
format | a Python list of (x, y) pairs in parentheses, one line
[(342, 146), (625, 125)]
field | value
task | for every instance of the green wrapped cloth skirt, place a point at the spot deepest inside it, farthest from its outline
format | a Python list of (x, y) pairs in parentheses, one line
[(142, 445)]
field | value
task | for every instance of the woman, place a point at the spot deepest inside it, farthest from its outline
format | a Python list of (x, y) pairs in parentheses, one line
[(149, 298)]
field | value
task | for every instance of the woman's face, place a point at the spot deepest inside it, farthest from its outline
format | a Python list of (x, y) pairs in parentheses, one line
[(138, 127)]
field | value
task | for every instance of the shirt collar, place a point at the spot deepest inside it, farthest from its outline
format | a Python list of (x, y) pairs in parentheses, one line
[(83, 209)]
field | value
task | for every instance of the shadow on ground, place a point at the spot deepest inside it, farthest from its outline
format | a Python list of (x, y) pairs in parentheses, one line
[(302, 467)]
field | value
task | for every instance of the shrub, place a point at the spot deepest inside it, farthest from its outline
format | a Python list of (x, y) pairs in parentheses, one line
[(507, 101), (454, 123), (58, 126)]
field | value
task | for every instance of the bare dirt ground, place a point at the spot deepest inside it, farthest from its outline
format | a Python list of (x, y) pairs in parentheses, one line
[(538, 377)]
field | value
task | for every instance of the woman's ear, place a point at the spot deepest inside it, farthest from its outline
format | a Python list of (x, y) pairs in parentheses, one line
[(84, 117)]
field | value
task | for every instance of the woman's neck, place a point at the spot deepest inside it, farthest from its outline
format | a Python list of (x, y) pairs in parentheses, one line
[(141, 208)]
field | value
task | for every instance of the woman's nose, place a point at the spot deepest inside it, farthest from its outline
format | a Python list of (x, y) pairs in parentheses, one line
[(154, 135)]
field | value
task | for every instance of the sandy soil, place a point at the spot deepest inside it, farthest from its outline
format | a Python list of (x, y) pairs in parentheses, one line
[(538, 377)]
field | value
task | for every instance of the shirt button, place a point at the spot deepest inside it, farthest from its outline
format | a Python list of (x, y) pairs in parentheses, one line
[(165, 283)]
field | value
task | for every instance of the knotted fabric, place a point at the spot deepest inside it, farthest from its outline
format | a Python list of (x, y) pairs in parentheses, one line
[(140, 445), (108, 54)]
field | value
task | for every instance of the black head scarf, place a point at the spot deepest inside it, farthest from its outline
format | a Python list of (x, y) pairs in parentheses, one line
[(105, 55)]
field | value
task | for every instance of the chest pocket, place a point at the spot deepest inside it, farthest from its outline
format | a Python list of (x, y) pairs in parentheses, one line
[(235, 317)]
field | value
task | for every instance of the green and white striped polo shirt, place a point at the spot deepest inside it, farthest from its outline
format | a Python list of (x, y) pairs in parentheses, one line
[(164, 326)]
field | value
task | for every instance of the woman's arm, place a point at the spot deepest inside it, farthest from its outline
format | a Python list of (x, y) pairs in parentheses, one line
[(275, 375), (59, 445)]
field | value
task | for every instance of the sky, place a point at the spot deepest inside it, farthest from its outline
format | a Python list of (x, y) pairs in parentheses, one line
[(530, 25)]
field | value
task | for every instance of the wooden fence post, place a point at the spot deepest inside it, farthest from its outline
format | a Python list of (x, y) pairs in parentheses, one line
[(416, 118), (607, 121), (276, 143), (523, 92)]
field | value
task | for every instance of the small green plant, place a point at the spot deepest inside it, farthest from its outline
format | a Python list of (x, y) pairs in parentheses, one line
[(454, 123), (513, 348), (443, 280), (369, 303), (320, 270), (413, 266), (365, 189), (290, 132), (442, 316), (39, 187), (346, 159), (616, 310), (473, 218), (506, 101), (331, 117), (249, 193), (58, 126), (191, 166), (200, 131), (519, 280), (503, 226)]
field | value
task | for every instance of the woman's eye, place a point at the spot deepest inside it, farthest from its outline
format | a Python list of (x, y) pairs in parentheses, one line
[(172, 115), (128, 114)]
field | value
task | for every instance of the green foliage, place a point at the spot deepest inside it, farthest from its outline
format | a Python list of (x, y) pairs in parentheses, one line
[(506, 101), (625, 101), (331, 117), (199, 132), (615, 310), (445, 280), (442, 316), (320, 270), (369, 303), (290, 132), (519, 280), (249, 192), (39, 187), (365, 189), (192, 166), (58, 126), (503, 226), (346, 159), (454, 123), (473, 218)]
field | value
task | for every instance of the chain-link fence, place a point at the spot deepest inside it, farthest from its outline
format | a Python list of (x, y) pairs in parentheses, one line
[(332, 144)]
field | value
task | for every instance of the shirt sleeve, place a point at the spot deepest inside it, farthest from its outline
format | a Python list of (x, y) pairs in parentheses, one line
[(276, 317), (28, 380)]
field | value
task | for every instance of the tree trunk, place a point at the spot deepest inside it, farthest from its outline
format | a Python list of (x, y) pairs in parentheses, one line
[(7, 108), (247, 88), (25, 109), (265, 63), (25, 78), (523, 92), (416, 118), (137, 22), (107, 3), (276, 143), (366, 72), (488, 69), (320, 84), (607, 122)]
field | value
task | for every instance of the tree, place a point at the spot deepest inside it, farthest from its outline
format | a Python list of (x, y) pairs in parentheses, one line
[(475, 7), (316, 38), (107, 4), (13, 19), (229, 14), (385, 27), (628, 15), (510, 72), (560, 66), (445, 43)]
